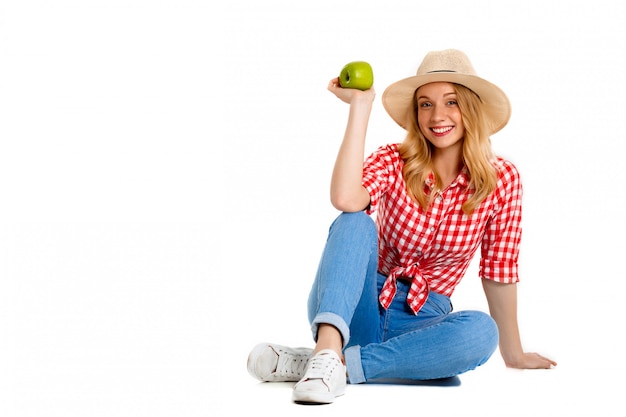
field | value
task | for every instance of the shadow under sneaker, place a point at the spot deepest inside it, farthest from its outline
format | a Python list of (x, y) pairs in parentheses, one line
[(324, 380), (275, 363)]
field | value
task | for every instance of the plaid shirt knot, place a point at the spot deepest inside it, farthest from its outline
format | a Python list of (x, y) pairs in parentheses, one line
[(418, 291)]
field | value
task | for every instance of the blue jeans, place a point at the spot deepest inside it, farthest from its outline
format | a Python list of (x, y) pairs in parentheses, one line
[(393, 343)]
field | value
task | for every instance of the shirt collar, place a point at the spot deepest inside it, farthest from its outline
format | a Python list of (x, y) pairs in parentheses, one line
[(462, 180)]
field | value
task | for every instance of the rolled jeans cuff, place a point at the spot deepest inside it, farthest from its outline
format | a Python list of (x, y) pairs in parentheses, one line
[(352, 357), (334, 320)]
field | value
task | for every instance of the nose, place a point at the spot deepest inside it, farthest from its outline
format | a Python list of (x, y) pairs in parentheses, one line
[(438, 113)]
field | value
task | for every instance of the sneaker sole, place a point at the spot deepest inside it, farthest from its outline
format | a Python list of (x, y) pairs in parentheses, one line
[(315, 397)]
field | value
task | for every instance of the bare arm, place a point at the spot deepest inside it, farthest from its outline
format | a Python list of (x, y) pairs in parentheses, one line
[(502, 299), (346, 190)]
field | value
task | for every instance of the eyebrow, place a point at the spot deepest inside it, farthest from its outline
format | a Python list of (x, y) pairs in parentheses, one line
[(452, 93)]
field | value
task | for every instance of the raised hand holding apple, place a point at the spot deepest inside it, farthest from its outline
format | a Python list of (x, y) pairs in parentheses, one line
[(350, 95), (357, 74)]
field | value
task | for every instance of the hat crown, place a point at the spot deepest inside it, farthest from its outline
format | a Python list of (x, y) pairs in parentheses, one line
[(449, 60)]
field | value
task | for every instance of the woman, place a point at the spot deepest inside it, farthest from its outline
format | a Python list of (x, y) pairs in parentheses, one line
[(380, 303)]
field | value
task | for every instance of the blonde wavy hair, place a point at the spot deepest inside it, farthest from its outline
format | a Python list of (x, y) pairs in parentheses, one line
[(478, 156)]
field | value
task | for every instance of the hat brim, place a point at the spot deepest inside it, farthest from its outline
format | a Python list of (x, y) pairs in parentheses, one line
[(398, 97)]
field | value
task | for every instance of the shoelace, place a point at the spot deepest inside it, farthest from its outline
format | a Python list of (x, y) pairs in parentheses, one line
[(289, 365), (321, 366)]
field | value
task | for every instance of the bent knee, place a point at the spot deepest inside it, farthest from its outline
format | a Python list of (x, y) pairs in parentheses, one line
[(358, 220), (484, 327)]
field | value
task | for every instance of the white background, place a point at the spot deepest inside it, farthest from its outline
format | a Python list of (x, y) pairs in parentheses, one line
[(164, 171)]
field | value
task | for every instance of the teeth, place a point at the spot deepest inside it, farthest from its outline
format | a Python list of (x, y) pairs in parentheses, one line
[(441, 129)]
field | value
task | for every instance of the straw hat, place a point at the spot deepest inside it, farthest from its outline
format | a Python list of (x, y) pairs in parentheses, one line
[(452, 66)]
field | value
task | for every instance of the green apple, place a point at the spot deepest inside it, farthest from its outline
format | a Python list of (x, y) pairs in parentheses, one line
[(357, 74)]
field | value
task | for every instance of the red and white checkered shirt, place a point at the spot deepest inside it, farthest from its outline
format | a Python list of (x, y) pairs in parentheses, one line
[(434, 248)]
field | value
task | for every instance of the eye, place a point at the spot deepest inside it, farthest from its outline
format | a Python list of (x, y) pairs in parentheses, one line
[(452, 103), (425, 104)]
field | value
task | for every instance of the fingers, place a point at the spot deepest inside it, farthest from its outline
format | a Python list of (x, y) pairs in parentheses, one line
[(550, 363), (350, 95), (541, 362), (533, 361)]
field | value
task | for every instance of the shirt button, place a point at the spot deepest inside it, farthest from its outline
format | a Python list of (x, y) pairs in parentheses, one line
[(419, 253), (432, 229), (439, 197)]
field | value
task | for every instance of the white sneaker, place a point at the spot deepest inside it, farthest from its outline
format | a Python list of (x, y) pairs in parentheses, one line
[(324, 379), (276, 363)]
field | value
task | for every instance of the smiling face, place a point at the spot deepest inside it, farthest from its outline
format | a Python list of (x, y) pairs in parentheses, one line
[(439, 116)]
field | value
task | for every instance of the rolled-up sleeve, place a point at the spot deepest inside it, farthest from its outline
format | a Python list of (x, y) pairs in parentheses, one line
[(501, 241), (378, 172)]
